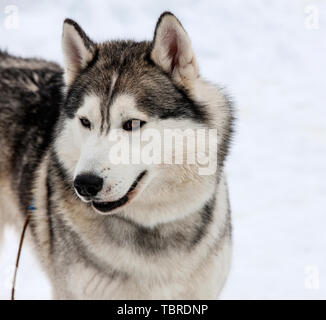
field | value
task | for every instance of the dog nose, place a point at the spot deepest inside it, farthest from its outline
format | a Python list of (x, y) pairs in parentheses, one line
[(88, 185)]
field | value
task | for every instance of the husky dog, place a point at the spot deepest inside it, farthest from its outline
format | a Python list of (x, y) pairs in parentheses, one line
[(104, 230)]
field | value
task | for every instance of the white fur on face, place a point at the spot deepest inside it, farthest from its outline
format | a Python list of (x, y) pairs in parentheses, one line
[(123, 109), (87, 151)]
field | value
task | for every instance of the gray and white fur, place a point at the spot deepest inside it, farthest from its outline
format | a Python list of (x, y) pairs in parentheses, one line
[(106, 231)]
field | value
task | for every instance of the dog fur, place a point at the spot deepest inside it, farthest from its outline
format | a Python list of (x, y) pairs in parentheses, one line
[(172, 239)]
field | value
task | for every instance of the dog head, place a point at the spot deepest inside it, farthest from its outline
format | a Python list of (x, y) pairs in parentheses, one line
[(119, 91)]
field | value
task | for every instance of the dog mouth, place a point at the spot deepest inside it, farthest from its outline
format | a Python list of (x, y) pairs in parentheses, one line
[(109, 206)]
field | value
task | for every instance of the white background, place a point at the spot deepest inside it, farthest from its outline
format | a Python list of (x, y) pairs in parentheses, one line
[(272, 61)]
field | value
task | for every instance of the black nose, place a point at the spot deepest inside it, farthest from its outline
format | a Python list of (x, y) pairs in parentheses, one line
[(88, 185)]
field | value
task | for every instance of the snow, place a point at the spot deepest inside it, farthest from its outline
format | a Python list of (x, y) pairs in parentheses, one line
[(273, 65)]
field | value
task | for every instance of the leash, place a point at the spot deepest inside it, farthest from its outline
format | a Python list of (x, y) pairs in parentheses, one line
[(28, 216)]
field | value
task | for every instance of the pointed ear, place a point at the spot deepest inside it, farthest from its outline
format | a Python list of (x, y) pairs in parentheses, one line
[(78, 50), (172, 49)]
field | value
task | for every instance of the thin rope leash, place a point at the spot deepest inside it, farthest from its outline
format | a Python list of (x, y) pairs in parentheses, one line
[(28, 216)]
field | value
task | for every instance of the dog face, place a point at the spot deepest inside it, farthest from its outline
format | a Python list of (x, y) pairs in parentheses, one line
[(117, 92)]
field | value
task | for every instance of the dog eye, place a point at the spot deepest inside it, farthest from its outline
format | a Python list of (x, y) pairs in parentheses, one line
[(133, 124), (85, 123)]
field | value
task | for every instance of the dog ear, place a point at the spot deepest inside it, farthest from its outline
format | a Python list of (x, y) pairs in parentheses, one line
[(78, 50), (172, 49)]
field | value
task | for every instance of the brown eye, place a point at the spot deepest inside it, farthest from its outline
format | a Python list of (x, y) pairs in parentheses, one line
[(85, 123), (133, 124)]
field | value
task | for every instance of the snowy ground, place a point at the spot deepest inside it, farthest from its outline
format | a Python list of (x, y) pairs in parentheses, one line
[(272, 61)]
